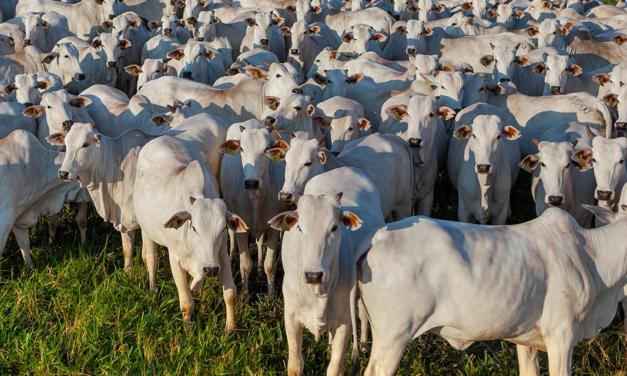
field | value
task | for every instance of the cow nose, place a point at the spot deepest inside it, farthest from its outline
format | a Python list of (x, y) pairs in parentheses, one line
[(620, 125), (264, 42), (200, 39), (167, 31), (112, 64), (504, 79), (186, 74), (483, 168), (411, 51), (415, 142), (556, 90), (211, 271), (79, 76), (555, 200), (64, 175), (68, 124), (313, 278), (251, 184), (604, 195), (286, 197), (294, 51), (191, 21), (27, 42), (270, 121)]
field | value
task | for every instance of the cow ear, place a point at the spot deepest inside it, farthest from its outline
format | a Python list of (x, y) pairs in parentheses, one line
[(10, 88), (235, 222), (284, 221), (532, 31), (519, 14), (575, 69), (96, 43), (619, 39), (319, 79), (322, 157), (107, 24), (379, 37), (34, 111), (277, 151), (56, 138), (539, 68), (43, 85), (272, 102), (401, 29), (463, 133), (125, 43), (176, 54), (285, 31), (605, 215), (602, 78), (97, 137), (154, 25), (583, 158), (492, 13), (177, 220), (511, 133), (486, 60), (351, 220), (45, 24), (250, 21), (255, 72), (333, 54), (529, 163), (80, 102), (315, 29), (354, 78), (522, 60), (439, 8), (611, 100), (278, 21), (399, 112), (133, 69), (50, 57), (364, 124), (347, 37), (446, 113), (321, 122), (311, 110), (466, 6), (230, 147), (160, 120), (427, 31)]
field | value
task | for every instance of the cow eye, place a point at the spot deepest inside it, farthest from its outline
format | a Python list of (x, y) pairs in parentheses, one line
[(194, 228), (568, 165), (350, 128), (48, 107), (278, 76), (157, 71), (474, 136), (594, 160), (86, 144), (334, 228), (542, 164), (431, 114), (307, 164), (317, 60), (67, 56), (621, 83), (621, 161), (442, 86), (555, 32), (498, 137)]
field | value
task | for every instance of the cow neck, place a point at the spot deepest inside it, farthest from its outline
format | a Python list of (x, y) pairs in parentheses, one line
[(107, 172), (607, 247)]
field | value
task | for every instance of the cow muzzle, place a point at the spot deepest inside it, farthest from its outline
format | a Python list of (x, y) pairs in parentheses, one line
[(64, 175), (67, 124), (294, 51), (313, 278), (556, 90), (411, 51), (269, 121), (264, 42), (27, 42), (251, 184), (504, 79), (211, 271), (415, 142), (555, 200), (604, 195), (286, 197), (483, 168), (112, 64)]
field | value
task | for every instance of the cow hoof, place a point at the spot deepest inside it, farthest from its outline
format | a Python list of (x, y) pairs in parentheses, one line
[(260, 270), (230, 327)]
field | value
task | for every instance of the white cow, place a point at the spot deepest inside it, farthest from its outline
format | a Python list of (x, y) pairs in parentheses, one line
[(150, 70), (344, 119), (43, 30), (29, 88), (263, 32)]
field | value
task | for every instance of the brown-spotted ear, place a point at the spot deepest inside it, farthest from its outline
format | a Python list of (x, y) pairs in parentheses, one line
[(272, 102), (311, 110), (539, 68), (176, 54), (34, 111), (427, 31), (284, 221), (619, 39), (522, 60), (316, 9), (277, 151), (351, 220), (322, 157), (532, 31), (160, 120), (379, 37), (364, 124), (602, 78), (43, 85), (235, 222), (133, 69), (511, 133), (153, 25), (611, 100), (285, 31), (56, 138), (399, 112), (250, 21), (439, 8), (466, 6), (529, 163), (354, 78), (575, 69), (333, 55), (347, 37), (9, 89), (463, 133), (519, 14), (125, 43), (401, 29), (107, 24), (50, 57), (315, 29), (446, 113), (178, 220), (255, 72), (96, 43), (281, 144), (486, 60), (230, 147), (321, 122), (319, 79), (278, 21), (583, 158), (492, 13), (80, 102)]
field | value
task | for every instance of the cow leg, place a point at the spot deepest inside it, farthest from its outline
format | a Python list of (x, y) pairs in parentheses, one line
[(186, 302), (81, 220), (527, 361), (501, 218), (560, 351), (53, 225), (6, 222), (294, 333), (149, 256), (340, 338), (128, 241), (363, 318), (426, 205), (260, 253), (23, 241), (462, 211), (245, 262), (232, 244), (229, 291), (270, 263), (386, 353), (624, 303)]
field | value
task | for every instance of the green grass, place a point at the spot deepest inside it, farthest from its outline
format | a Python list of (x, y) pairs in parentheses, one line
[(80, 313)]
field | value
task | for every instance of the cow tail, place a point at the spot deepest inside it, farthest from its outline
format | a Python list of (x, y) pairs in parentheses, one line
[(353, 303)]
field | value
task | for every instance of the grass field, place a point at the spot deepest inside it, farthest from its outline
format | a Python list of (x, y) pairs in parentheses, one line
[(79, 313)]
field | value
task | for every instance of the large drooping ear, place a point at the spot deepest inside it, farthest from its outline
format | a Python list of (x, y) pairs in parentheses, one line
[(619, 39), (602, 78), (96, 43), (7, 90), (133, 69), (285, 31), (250, 21), (320, 121), (56, 138), (177, 220), (284, 221), (277, 150), (428, 31), (153, 25), (522, 60), (43, 85), (235, 223), (379, 37), (446, 112), (176, 54), (486, 60), (255, 72), (466, 6), (511, 133), (124, 44), (80, 102), (351, 220), (272, 102), (322, 156), (611, 100), (347, 37), (34, 111), (532, 31), (439, 8), (583, 158), (230, 147), (605, 215), (575, 69), (463, 133), (50, 57), (363, 124), (310, 110), (315, 29), (539, 68), (399, 112), (162, 119), (319, 79), (529, 163), (278, 21)]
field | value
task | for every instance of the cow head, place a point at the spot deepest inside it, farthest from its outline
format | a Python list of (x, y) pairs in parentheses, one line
[(29, 88), (344, 119), (501, 60), (291, 115), (35, 27), (64, 61), (197, 62), (359, 39), (81, 156), (448, 88), (299, 32), (150, 70), (58, 107), (111, 47), (304, 159), (556, 70), (264, 27)]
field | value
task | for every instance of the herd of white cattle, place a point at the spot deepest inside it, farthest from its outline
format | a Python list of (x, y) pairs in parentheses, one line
[(209, 124)]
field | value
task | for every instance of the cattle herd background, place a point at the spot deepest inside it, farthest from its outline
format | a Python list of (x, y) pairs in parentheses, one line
[(294, 154)]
